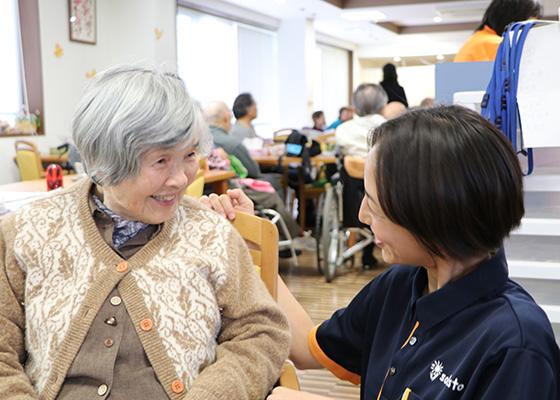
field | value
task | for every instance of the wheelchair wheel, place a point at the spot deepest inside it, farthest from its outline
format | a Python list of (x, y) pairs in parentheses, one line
[(318, 232), (330, 235)]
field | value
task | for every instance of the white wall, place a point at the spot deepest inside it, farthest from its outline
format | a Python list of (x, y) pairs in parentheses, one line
[(418, 82), (125, 33)]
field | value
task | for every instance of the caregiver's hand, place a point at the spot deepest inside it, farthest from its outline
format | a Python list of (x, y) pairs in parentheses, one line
[(227, 204)]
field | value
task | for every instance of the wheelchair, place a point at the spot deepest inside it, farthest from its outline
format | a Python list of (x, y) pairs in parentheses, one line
[(334, 229)]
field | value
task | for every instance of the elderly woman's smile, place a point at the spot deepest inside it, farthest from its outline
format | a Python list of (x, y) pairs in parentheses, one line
[(153, 195)]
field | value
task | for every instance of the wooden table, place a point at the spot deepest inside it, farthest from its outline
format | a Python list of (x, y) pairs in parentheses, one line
[(217, 178), (54, 158), (304, 192), (273, 160)]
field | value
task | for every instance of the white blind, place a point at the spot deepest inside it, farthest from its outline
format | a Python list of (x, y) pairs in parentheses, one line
[(11, 79), (331, 81), (207, 56), (219, 59), (258, 74)]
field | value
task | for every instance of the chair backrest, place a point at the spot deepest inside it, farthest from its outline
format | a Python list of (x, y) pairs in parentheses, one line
[(28, 160), (196, 188), (262, 236), (281, 135), (355, 166)]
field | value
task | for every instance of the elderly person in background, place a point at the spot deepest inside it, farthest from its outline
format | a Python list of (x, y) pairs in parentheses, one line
[(369, 100), (245, 111), (319, 122), (218, 117), (393, 109), (344, 114), (121, 288)]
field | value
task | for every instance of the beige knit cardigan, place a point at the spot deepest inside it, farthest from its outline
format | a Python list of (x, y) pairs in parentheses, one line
[(205, 320)]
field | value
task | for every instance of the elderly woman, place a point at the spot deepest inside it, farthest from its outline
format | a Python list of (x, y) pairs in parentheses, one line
[(443, 189), (120, 288)]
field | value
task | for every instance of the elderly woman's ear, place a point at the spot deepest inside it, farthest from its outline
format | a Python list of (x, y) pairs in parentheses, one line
[(228, 204)]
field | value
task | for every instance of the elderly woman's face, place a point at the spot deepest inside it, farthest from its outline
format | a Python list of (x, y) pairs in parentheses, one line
[(155, 193), (397, 244)]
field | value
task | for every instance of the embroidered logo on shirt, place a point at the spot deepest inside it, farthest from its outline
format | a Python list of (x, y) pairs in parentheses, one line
[(436, 371)]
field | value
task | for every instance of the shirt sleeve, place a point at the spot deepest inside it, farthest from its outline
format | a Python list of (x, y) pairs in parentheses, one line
[(520, 374), (339, 343), (253, 170)]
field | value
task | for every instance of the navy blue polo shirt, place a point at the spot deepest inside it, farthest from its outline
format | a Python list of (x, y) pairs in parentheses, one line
[(479, 337)]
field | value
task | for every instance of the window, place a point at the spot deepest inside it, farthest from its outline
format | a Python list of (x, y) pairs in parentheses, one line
[(20, 70), (331, 81), (219, 58), (11, 80)]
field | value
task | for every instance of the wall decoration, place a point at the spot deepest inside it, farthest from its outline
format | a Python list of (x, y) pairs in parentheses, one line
[(82, 21), (158, 32), (58, 52), (91, 73)]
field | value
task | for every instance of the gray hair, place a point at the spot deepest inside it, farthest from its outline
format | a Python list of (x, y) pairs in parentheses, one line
[(215, 111), (128, 110), (369, 99)]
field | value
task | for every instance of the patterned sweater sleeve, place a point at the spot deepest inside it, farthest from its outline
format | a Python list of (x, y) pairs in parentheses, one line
[(14, 383), (254, 340)]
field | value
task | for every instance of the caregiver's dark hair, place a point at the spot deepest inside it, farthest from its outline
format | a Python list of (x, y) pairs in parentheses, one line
[(449, 177), (501, 13)]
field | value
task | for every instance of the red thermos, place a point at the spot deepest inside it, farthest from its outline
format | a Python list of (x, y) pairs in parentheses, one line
[(54, 177)]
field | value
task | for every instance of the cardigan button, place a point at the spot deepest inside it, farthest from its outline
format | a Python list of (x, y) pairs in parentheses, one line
[(122, 266), (146, 324), (177, 386)]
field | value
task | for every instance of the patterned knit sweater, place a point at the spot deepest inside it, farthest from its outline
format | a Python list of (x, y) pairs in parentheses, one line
[(205, 320)]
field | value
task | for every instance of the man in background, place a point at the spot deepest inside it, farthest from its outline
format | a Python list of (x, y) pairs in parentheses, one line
[(218, 116), (369, 101), (344, 114), (245, 111)]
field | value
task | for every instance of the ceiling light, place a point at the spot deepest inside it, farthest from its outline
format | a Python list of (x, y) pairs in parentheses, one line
[(397, 59), (437, 19), (440, 57), (368, 15)]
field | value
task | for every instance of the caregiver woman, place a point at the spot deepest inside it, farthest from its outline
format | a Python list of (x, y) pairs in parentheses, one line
[(443, 190)]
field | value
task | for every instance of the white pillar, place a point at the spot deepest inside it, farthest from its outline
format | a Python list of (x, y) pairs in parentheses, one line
[(296, 46)]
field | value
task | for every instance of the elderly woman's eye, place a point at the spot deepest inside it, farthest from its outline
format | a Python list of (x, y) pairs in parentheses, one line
[(161, 161), (191, 155)]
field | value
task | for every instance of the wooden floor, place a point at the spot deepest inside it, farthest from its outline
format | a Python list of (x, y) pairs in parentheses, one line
[(321, 299)]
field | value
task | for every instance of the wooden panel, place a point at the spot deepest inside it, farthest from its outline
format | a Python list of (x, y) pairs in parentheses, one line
[(31, 44)]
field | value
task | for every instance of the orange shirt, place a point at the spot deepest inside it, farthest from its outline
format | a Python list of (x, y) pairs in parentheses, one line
[(481, 46)]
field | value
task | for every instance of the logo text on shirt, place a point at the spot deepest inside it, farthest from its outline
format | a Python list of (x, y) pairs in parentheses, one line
[(436, 371)]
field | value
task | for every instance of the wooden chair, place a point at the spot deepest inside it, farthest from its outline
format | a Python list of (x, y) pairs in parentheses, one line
[(196, 188), (262, 237), (355, 166), (281, 135), (28, 160)]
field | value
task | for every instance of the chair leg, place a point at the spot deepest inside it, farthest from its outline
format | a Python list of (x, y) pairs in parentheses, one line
[(302, 212)]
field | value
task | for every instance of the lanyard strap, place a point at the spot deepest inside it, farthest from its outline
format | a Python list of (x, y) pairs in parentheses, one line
[(499, 104)]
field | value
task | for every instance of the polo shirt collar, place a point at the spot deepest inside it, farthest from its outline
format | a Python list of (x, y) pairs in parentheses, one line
[(431, 309)]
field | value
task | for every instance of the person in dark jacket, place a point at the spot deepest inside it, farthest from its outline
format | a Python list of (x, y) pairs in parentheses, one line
[(390, 83)]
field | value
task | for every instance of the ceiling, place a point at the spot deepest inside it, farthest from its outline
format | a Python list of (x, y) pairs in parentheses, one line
[(404, 28)]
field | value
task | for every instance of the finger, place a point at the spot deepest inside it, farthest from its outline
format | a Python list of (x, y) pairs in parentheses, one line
[(216, 205), (244, 202), (205, 201), (225, 201)]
